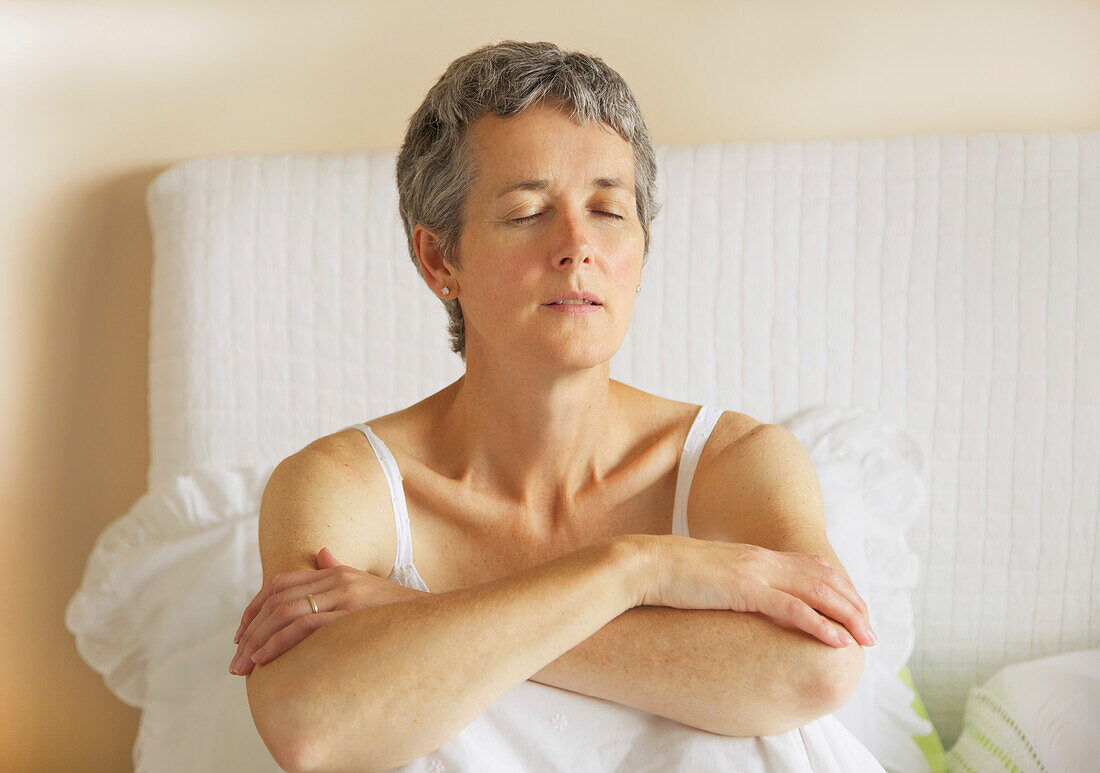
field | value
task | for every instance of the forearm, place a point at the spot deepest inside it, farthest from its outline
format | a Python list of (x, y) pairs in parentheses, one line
[(732, 673), (385, 685)]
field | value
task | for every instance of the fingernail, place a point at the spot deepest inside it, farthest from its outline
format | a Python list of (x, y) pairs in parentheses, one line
[(233, 670), (237, 638), (258, 656), (844, 638)]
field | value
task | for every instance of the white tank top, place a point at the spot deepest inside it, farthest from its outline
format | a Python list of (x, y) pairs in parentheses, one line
[(536, 727)]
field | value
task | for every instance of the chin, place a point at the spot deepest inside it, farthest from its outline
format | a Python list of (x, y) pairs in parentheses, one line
[(577, 355)]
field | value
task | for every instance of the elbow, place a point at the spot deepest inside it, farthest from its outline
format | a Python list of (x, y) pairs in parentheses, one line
[(297, 751), (292, 757), (294, 753), (301, 741), (838, 678), (288, 738), (290, 750), (817, 690)]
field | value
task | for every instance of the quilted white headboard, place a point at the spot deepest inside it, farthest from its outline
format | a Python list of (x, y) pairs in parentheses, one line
[(947, 282)]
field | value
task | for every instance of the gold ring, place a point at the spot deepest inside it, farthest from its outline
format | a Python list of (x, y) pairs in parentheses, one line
[(313, 603)]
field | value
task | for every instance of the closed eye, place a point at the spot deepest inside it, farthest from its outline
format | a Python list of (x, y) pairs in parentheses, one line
[(529, 218)]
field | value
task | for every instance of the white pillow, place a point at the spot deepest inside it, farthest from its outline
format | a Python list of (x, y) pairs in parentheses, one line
[(869, 473), (156, 612), (1040, 715), (166, 583)]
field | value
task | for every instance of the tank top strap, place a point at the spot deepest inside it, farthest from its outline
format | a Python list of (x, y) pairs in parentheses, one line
[(700, 432), (403, 570)]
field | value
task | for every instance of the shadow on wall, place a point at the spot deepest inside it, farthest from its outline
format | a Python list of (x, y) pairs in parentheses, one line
[(86, 452)]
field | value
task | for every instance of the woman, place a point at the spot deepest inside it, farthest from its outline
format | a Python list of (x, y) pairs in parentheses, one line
[(548, 504)]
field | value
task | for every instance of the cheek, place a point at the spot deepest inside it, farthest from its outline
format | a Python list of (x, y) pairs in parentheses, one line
[(624, 270), (517, 273), (624, 266), (505, 282)]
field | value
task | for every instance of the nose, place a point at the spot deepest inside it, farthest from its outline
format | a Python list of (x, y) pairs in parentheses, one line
[(574, 241)]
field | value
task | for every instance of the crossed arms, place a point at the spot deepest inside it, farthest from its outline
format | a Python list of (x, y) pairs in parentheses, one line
[(391, 682)]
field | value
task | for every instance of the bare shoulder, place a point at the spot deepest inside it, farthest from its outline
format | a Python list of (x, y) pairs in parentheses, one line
[(748, 473), (329, 494), (649, 409), (732, 428), (749, 442)]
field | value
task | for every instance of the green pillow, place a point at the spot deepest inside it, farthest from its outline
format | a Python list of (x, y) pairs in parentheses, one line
[(930, 744)]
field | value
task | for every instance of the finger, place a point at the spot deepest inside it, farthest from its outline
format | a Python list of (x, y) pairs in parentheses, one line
[(274, 584), (819, 567), (824, 598), (273, 617), (292, 635), (283, 586), (254, 607), (255, 614), (792, 611), (281, 641), (326, 560), (279, 610), (248, 615)]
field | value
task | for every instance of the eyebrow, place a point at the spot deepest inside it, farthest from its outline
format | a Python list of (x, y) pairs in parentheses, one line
[(603, 183)]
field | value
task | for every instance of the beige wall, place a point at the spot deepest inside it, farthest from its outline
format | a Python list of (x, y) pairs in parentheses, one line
[(96, 98)]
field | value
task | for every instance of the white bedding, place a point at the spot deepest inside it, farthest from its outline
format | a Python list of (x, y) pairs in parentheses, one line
[(535, 727), (161, 598), (1039, 716)]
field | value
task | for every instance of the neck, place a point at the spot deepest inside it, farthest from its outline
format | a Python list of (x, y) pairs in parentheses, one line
[(532, 439)]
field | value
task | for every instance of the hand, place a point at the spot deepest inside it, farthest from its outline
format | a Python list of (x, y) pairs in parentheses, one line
[(790, 588), (280, 615)]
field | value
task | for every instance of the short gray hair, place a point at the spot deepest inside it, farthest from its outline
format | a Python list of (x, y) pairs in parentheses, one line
[(435, 169)]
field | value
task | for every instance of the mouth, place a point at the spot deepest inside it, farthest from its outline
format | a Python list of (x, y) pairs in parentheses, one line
[(575, 298), (574, 308)]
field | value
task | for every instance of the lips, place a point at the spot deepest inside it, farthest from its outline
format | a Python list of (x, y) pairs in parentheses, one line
[(573, 309), (576, 296)]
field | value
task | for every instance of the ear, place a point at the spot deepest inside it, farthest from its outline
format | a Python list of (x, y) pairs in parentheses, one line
[(436, 272)]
